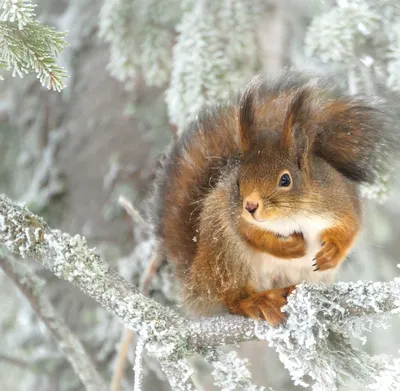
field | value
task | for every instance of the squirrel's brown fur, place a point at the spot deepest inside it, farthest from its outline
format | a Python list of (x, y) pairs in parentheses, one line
[(231, 160)]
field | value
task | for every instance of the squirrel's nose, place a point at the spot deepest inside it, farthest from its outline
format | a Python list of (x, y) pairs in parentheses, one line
[(251, 207)]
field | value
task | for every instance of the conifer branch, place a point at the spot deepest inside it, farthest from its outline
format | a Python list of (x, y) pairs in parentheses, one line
[(28, 46)]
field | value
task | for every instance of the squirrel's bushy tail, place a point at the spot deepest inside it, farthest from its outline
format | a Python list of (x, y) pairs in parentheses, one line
[(356, 135)]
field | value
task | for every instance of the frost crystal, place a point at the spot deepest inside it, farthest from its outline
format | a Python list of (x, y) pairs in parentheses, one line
[(20, 11), (138, 368), (141, 35), (340, 34), (231, 372), (200, 73), (116, 21), (314, 341), (388, 378)]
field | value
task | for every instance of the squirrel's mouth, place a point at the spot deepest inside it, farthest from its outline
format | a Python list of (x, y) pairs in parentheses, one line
[(251, 218), (259, 221), (259, 217)]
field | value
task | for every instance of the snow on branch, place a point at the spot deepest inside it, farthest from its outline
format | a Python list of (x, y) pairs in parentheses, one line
[(140, 34), (313, 342), (68, 343), (29, 46), (229, 371), (20, 11)]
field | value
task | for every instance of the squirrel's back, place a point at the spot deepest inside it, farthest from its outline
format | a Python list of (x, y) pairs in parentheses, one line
[(189, 170)]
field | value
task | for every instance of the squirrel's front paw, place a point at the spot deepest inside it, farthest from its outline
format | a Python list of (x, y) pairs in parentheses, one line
[(294, 245), (328, 257), (266, 305)]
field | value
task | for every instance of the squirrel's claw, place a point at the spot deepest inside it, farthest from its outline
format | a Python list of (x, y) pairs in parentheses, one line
[(328, 257), (315, 266)]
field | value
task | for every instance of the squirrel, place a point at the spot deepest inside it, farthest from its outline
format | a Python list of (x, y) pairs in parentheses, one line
[(262, 193)]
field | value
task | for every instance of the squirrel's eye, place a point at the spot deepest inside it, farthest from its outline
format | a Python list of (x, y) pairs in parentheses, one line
[(238, 183), (285, 180)]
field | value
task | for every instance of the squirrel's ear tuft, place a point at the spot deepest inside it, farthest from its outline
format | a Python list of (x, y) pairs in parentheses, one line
[(298, 131), (247, 108), (297, 116)]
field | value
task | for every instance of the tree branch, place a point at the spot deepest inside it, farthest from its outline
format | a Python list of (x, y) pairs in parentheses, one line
[(72, 348), (178, 374), (319, 319), (229, 368)]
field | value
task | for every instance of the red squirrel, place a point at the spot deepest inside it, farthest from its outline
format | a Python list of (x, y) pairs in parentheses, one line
[(262, 193)]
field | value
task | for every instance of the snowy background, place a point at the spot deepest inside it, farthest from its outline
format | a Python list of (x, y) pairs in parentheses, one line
[(138, 70)]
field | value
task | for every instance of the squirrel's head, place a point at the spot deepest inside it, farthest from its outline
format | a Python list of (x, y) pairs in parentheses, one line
[(273, 178)]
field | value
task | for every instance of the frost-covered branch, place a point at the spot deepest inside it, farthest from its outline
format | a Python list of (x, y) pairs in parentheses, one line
[(47, 181), (67, 342), (230, 371), (28, 46), (202, 72), (178, 374), (204, 49), (141, 35), (313, 341), (361, 37)]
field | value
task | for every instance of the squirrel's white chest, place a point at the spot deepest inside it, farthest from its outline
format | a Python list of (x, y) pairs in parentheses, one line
[(271, 272)]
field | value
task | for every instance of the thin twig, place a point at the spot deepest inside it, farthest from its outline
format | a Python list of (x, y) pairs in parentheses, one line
[(133, 213), (149, 273), (67, 342), (144, 286), (15, 361), (126, 341), (138, 367), (127, 335), (41, 366)]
